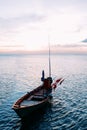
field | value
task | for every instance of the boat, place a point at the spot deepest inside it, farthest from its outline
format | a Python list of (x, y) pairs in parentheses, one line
[(37, 98), (34, 100)]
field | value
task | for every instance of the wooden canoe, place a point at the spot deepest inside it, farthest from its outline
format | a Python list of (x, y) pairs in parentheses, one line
[(32, 101)]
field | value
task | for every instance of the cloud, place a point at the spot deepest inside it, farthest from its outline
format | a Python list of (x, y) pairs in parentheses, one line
[(74, 45), (12, 46), (69, 49), (12, 22), (85, 40), (30, 22)]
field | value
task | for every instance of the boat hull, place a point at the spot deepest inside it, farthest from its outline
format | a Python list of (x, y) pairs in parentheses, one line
[(27, 111)]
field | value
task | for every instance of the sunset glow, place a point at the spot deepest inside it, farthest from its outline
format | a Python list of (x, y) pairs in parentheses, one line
[(26, 25)]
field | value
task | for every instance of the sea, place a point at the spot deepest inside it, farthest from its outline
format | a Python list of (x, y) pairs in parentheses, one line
[(20, 74)]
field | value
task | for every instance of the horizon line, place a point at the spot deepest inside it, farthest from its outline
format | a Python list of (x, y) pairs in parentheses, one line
[(38, 52)]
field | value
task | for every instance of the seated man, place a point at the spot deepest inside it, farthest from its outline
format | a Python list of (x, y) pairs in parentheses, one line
[(47, 86)]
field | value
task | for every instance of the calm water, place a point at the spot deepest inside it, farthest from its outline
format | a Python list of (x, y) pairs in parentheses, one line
[(20, 74)]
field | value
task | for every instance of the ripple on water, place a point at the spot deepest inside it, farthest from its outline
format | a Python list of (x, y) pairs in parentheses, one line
[(69, 107)]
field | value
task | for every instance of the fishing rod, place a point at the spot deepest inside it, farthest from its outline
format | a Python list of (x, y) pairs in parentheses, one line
[(49, 59), (43, 74)]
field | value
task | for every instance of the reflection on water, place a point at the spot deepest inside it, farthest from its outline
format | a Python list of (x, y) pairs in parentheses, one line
[(20, 74)]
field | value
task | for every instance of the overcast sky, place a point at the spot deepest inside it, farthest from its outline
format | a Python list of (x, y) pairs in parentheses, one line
[(27, 24)]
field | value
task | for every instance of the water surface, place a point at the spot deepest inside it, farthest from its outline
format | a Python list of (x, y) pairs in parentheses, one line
[(20, 74)]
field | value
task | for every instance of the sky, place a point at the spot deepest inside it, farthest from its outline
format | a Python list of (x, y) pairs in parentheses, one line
[(29, 25)]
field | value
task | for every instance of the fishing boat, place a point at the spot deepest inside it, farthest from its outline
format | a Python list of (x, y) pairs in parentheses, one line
[(34, 100), (37, 98)]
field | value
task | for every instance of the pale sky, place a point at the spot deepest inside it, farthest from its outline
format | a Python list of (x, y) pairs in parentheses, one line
[(27, 24)]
